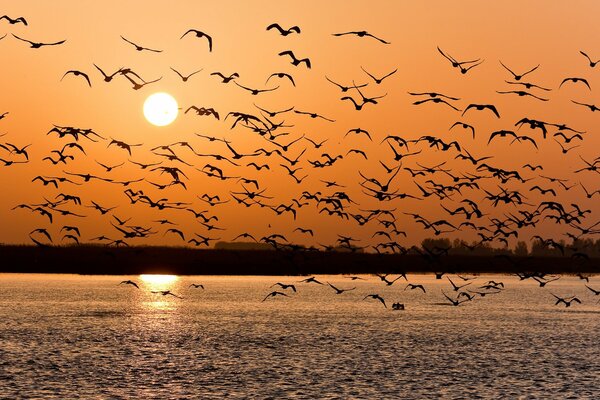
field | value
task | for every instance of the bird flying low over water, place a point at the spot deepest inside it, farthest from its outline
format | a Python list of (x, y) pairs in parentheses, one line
[(166, 293), (376, 297), (275, 294), (130, 282)]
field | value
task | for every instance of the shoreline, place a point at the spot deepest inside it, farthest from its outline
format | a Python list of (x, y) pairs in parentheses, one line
[(100, 260)]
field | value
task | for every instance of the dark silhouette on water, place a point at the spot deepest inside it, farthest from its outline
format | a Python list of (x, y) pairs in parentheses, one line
[(130, 282)]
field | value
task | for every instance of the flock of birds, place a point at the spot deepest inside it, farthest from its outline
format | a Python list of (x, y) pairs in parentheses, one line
[(478, 194), (462, 289)]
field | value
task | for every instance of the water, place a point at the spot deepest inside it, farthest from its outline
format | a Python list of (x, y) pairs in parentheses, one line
[(68, 336)]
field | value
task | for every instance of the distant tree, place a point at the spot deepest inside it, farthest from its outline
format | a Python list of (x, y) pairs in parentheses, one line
[(438, 243), (521, 249)]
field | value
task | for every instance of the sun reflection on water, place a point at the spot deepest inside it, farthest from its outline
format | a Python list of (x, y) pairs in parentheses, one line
[(158, 283)]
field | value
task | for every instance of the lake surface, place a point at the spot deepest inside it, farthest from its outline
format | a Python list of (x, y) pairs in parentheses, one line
[(69, 336)]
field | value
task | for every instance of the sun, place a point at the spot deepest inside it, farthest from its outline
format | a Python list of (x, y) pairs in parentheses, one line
[(160, 109)]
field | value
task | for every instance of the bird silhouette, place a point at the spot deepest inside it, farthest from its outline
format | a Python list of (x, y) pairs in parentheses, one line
[(295, 60), (200, 34), (14, 21), (129, 282), (481, 107), (185, 78), (340, 291), (78, 73), (37, 45), (283, 32), (592, 63), (378, 81), (517, 77), (361, 34), (140, 48), (275, 294), (376, 297)]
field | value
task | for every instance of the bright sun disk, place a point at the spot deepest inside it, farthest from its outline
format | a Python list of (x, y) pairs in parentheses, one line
[(160, 109)]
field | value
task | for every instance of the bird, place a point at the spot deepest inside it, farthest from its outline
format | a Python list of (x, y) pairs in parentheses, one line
[(284, 286), (575, 80), (274, 294), (226, 79), (339, 291), (413, 286), (255, 92), (481, 107), (284, 32), (78, 73), (166, 293), (501, 133), (528, 85), (343, 88), (454, 302), (594, 291), (200, 34), (454, 62), (296, 61), (140, 48), (379, 80), (14, 21), (311, 279), (18, 150), (376, 297), (361, 34), (37, 45), (592, 63), (123, 145), (107, 78), (197, 285), (129, 282), (521, 93), (518, 77), (281, 75), (592, 107), (464, 126), (185, 78), (566, 300)]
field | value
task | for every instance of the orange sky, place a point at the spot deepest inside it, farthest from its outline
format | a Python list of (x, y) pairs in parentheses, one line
[(549, 33)]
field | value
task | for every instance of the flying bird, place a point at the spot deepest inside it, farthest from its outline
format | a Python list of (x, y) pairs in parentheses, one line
[(376, 297), (296, 61), (37, 45), (13, 21), (592, 63), (283, 32), (517, 77), (78, 73), (185, 78), (481, 107), (140, 48), (200, 34), (129, 282), (361, 34), (274, 294), (379, 80), (575, 80)]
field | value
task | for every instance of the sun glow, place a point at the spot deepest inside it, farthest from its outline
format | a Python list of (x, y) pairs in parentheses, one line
[(160, 109), (155, 280)]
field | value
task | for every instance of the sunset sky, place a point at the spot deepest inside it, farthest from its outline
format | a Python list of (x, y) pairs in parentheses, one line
[(522, 35)]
